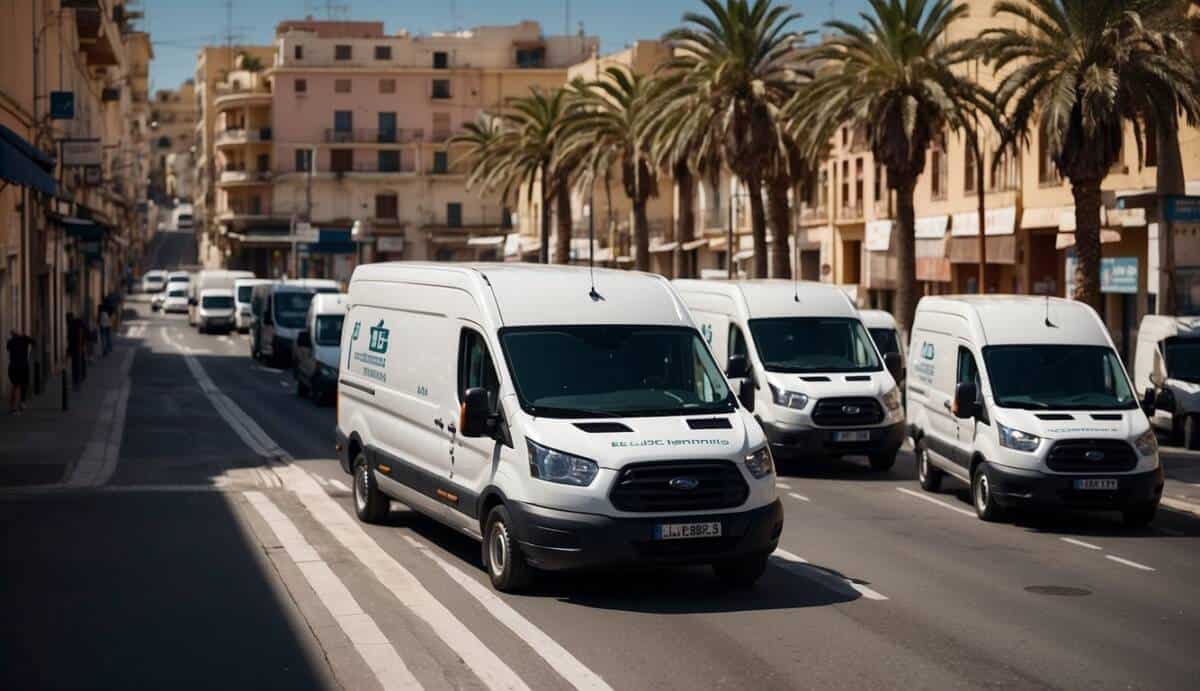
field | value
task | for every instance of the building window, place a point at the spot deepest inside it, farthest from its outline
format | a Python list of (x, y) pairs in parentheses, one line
[(441, 127), (342, 52), (1047, 169), (343, 120), (454, 215), (301, 86), (441, 88), (969, 169), (383, 52), (341, 160), (939, 170), (387, 127), (845, 185), (859, 181), (845, 137), (878, 182), (441, 60), (441, 161), (298, 52), (341, 86), (389, 161), (303, 159), (1004, 174), (387, 86), (386, 206), (531, 58), (263, 163)]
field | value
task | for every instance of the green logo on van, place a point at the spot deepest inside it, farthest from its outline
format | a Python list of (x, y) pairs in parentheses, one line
[(379, 338)]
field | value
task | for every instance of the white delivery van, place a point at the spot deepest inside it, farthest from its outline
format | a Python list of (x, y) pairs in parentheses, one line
[(243, 290), (182, 217), (318, 285), (562, 427), (1166, 368), (1025, 399), (210, 279), (318, 347), (803, 363), (279, 310), (155, 281), (183, 277), (214, 310)]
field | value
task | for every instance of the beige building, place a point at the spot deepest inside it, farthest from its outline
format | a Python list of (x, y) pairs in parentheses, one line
[(173, 117)]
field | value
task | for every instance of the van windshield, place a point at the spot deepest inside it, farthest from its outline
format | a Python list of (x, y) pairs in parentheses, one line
[(814, 344), (329, 329), (1057, 377), (614, 371), (244, 293), (886, 340), (291, 308), (218, 302), (1183, 358)]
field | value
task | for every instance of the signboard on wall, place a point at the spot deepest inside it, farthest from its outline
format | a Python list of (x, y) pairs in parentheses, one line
[(62, 105), (82, 152), (1117, 275)]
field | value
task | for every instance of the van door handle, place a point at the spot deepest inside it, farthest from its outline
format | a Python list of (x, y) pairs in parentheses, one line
[(946, 405), (451, 428), (437, 422)]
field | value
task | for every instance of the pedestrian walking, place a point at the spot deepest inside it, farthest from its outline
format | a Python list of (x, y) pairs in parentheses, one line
[(18, 370), (75, 348), (105, 321)]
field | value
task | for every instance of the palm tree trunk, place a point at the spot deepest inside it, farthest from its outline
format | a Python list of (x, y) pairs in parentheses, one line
[(641, 235), (780, 213), (1087, 242), (906, 278), (685, 230), (544, 230), (758, 227), (562, 200), (1170, 180)]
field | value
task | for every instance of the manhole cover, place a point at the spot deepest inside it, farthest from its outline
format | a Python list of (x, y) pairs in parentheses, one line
[(1060, 590)]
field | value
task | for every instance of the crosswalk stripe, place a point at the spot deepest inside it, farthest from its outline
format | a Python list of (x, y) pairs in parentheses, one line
[(554, 654), (359, 627)]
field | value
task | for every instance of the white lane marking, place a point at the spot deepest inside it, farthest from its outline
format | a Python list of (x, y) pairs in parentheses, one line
[(99, 459), (284, 384), (801, 497), (939, 502), (559, 659), (1126, 562), (339, 486), (364, 634), (272, 370), (821, 574), (1080, 543), (319, 479), (783, 485), (225, 339)]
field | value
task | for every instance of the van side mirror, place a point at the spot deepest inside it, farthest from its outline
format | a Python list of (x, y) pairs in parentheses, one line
[(1164, 399), (304, 339), (895, 365), (1148, 402), (475, 416), (966, 401), (746, 392), (192, 302), (738, 367)]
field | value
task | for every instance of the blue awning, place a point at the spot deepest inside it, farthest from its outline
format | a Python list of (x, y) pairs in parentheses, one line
[(80, 228), (22, 164), (332, 241)]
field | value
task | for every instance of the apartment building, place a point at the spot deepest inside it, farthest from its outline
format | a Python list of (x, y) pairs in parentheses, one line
[(73, 121), (173, 117)]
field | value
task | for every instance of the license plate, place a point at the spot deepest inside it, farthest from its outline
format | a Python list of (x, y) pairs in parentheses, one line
[(856, 435), (1096, 484), (683, 531)]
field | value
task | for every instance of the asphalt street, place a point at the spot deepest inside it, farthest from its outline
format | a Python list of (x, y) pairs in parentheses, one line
[(222, 551)]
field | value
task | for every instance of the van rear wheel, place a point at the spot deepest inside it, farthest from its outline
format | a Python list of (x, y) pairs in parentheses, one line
[(883, 461), (982, 496), (1191, 433), (370, 505), (502, 557), (743, 572), (929, 476)]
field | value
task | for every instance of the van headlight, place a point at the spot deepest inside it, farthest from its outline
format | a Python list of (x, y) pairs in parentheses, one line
[(891, 399), (788, 399), (759, 463), (1016, 439), (1147, 442), (563, 468)]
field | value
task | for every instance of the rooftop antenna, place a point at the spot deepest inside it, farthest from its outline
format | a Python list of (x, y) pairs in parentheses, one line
[(596, 297), (1049, 323)]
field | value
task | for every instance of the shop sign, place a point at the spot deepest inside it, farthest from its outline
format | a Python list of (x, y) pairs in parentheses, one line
[(82, 152), (62, 105), (1117, 275), (1186, 209)]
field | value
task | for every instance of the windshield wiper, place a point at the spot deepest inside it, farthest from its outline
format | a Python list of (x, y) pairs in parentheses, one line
[(552, 411), (1024, 405)]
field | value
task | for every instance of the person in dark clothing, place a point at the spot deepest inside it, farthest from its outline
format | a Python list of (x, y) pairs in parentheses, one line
[(75, 348), (18, 370)]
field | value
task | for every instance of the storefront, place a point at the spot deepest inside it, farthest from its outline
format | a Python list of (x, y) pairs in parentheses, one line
[(932, 263), (1000, 244), (880, 267)]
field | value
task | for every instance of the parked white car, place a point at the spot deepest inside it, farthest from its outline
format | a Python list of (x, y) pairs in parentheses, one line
[(176, 301), (154, 281), (1167, 370)]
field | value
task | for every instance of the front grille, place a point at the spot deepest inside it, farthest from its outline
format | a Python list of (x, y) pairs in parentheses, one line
[(1108, 456), (847, 412), (646, 487)]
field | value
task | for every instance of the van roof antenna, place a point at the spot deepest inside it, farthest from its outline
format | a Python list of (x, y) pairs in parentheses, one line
[(1049, 323), (596, 297)]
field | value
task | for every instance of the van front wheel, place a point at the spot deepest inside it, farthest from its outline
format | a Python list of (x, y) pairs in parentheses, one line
[(982, 496), (502, 555), (929, 476), (370, 505)]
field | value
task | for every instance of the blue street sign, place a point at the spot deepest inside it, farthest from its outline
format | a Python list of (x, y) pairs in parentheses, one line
[(62, 105), (1186, 209)]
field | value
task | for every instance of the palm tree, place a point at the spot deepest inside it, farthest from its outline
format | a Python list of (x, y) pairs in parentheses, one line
[(520, 151), (737, 64), (897, 79), (1079, 70), (603, 132)]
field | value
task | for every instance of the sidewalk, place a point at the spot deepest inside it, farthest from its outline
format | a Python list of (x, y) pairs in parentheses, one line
[(42, 445)]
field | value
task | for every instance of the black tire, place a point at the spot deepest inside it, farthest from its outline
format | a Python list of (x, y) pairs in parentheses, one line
[(302, 390), (883, 461), (928, 475), (370, 505), (743, 572), (1139, 517), (502, 557), (1191, 433), (981, 495)]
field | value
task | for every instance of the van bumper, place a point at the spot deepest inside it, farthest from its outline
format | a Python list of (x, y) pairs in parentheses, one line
[(1018, 487), (556, 540), (799, 442)]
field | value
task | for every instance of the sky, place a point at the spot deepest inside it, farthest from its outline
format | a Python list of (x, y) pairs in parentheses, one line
[(178, 28)]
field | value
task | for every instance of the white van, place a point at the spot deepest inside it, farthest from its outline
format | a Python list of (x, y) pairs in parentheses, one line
[(182, 217), (803, 363), (243, 291), (1025, 399), (155, 281), (279, 310), (318, 285), (318, 347), (214, 310), (210, 279), (560, 426), (1166, 367)]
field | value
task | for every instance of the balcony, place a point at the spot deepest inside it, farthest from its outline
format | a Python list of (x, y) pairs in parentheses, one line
[(237, 136), (372, 167), (244, 177), (813, 214), (851, 212), (244, 211), (373, 136)]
